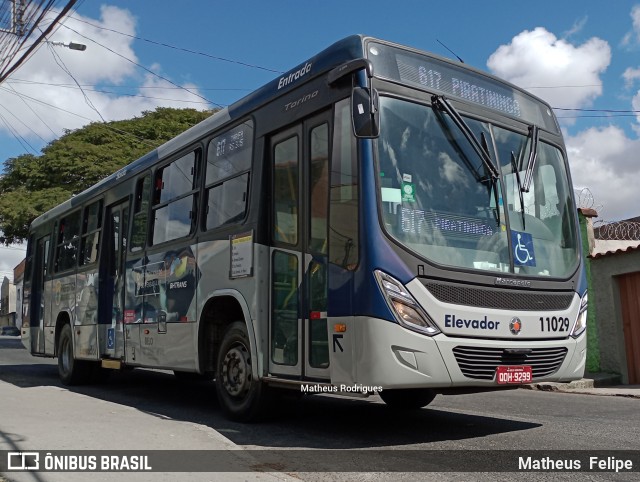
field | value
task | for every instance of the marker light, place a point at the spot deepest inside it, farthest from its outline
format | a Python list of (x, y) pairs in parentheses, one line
[(405, 308)]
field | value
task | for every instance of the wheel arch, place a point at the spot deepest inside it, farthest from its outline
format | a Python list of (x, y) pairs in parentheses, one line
[(222, 308), (64, 318)]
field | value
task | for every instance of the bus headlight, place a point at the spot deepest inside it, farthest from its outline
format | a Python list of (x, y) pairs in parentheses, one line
[(581, 321), (405, 308)]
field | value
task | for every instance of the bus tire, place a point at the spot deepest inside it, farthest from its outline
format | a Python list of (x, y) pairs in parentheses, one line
[(242, 396), (407, 398), (70, 370)]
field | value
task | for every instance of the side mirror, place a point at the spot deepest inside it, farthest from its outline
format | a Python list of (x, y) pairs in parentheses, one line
[(365, 113)]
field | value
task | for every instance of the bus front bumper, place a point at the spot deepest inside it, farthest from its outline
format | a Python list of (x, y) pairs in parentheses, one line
[(389, 356)]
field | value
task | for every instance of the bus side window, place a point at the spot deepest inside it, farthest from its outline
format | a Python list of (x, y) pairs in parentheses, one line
[(140, 214), (175, 198), (67, 242), (227, 177), (92, 223), (286, 198)]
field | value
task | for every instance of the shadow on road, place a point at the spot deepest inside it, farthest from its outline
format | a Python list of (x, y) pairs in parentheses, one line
[(314, 422)]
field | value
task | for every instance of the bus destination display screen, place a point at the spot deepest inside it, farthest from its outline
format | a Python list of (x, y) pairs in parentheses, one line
[(436, 75)]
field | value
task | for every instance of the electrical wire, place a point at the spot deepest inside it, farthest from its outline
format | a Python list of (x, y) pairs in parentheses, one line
[(16, 135), (181, 49), (9, 67), (106, 125), (33, 112), (21, 122), (142, 67), (84, 87), (64, 67), (114, 86)]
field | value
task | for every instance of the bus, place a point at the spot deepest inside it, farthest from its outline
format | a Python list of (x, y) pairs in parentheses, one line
[(377, 220)]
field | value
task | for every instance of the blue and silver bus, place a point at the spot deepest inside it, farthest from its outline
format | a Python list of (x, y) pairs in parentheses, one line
[(376, 220)]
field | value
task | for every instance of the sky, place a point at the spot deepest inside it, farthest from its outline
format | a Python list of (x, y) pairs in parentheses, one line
[(575, 54)]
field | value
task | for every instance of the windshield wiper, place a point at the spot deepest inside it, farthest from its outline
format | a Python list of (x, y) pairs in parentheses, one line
[(494, 181), (533, 157), (441, 102), (516, 171)]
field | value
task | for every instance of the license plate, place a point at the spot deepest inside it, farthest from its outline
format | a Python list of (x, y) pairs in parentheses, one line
[(513, 375)]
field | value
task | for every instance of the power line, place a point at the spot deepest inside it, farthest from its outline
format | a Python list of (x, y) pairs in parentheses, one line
[(8, 70), (182, 49), (562, 86), (16, 135), (46, 104), (69, 86), (595, 116), (64, 67), (114, 86), (88, 88), (118, 131), (596, 113), (33, 111), (615, 111), (25, 125), (142, 66)]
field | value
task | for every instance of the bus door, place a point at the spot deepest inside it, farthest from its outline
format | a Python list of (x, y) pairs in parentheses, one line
[(299, 160), (112, 281), (39, 307)]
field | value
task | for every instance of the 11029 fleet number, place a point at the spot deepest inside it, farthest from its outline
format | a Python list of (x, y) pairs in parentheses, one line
[(554, 323)]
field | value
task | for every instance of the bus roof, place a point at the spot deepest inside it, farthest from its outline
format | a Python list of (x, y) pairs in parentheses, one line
[(346, 49), (349, 48)]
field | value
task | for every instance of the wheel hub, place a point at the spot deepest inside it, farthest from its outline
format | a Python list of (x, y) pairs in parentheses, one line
[(236, 371)]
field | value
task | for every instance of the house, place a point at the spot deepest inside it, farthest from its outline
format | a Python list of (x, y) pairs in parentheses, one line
[(18, 278), (615, 296), (7, 303)]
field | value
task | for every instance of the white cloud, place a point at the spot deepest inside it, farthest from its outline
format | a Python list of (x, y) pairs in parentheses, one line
[(630, 76), (577, 27), (607, 162), (10, 257), (539, 59), (606, 159), (35, 80), (633, 36), (635, 105), (603, 159)]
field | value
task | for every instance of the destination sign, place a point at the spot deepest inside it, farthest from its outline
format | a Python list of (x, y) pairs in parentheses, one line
[(439, 76)]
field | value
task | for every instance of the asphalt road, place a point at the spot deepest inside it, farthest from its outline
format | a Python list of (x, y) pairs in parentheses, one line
[(152, 410)]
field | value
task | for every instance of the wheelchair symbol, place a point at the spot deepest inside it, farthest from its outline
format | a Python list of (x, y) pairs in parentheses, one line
[(522, 252)]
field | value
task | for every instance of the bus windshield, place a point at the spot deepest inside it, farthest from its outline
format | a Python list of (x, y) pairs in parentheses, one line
[(439, 199)]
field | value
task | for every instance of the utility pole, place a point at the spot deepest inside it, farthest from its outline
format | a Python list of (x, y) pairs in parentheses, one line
[(17, 18)]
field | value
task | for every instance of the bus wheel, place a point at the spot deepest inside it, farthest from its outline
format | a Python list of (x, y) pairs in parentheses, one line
[(71, 371), (242, 396), (407, 398)]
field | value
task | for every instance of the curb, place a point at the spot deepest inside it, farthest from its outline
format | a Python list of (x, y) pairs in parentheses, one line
[(590, 380), (561, 387), (593, 384)]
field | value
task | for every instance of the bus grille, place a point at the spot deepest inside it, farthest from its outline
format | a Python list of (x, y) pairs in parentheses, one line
[(500, 299), (480, 363)]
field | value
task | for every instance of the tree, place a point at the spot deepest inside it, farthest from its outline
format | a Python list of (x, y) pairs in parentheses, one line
[(31, 185)]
